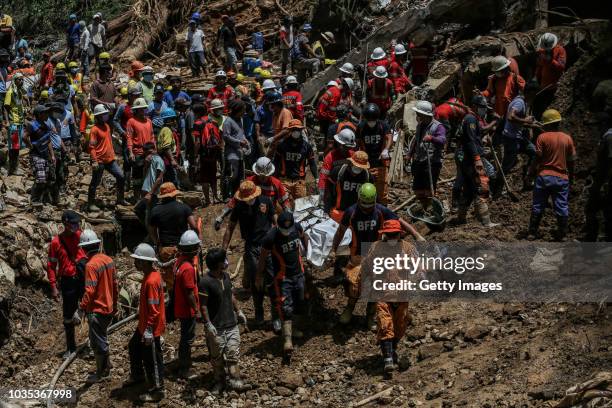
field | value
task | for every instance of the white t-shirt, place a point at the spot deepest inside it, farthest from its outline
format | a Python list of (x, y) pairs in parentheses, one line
[(195, 39)]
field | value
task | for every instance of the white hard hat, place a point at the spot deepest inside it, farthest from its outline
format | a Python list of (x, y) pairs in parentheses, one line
[(332, 83), (424, 108), (349, 82), (347, 68), (88, 237), (346, 137), (380, 72), (146, 69), (548, 41), (400, 49), (144, 252), (17, 75), (263, 167), (378, 54), (268, 84), (500, 62), (291, 80), (189, 238), (328, 36), (140, 103), (217, 104), (220, 73), (100, 109)]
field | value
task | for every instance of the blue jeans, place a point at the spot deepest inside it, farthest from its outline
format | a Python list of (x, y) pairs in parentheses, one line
[(289, 295), (96, 177), (512, 148), (196, 61), (230, 57), (85, 62), (547, 186)]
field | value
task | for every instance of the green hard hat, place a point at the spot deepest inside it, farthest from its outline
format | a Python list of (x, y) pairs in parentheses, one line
[(367, 193)]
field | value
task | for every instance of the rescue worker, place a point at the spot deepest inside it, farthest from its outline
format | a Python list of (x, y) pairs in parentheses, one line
[(222, 315), (375, 138), (103, 158), (291, 156), (175, 91), (346, 93), (221, 91), (209, 148), (598, 199), (397, 74), (254, 212), (285, 41), (185, 294), (138, 132), (122, 116), (227, 39), (450, 114), (326, 109), (146, 85), (14, 104), (168, 145), (303, 58), (550, 65), (144, 348), (381, 91), (475, 180), (74, 76), (554, 163), (60, 166), (344, 120), (99, 302), (318, 49), (134, 73), (39, 137), (65, 269), (347, 70), (281, 117), (378, 58), (292, 98), (287, 244), (236, 147), (103, 90), (46, 72), (503, 86), (426, 151), (156, 107), (263, 114), (347, 179), (343, 149)]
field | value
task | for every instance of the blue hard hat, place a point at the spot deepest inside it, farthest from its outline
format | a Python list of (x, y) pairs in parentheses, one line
[(195, 16), (168, 113), (307, 27), (273, 97), (73, 17)]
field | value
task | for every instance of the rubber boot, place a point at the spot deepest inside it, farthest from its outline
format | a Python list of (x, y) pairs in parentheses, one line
[(371, 316), (386, 347), (102, 370), (561, 228), (14, 169), (70, 339), (185, 364), (347, 314), (296, 333), (394, 354), (534, 224), (121, 196), (219, 376), (235, 382), (483, 212), (461, 215), (55, 195), (37, 192), (258, 298), (497, 186), (287, 343)]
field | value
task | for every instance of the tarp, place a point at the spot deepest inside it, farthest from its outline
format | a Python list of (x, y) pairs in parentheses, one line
[(319, 228)]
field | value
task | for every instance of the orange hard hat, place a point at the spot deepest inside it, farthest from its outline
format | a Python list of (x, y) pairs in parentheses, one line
[(137, 66)]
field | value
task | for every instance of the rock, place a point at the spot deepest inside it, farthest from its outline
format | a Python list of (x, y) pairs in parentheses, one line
[(283, 391), (7, 272), (291, 381), (433, 394), (301, 391), (476, 332), (13, 198), (512, 309), (85, 180), (192, 198), (541, 394), (429, 351), (34, 265)]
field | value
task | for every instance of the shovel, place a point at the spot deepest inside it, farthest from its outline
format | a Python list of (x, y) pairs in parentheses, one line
[(511, 194)]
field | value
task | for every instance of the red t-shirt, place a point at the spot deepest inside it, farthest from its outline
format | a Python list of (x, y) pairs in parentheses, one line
[(184, 281), (555, 150)]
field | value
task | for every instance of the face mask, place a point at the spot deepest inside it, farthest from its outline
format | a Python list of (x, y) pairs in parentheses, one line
[(296, 134), (284, 231), (356, 170), (105, 117), (371, 123), (74, 71), (147, 77), (250, 202), (482, 112)]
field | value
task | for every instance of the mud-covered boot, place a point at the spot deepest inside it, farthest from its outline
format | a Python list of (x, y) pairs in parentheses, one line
[(347, 314), (219, 376), (121, 196), (296, 333), (386, 347), (235, 382), (102, 371), (70, 339), (534, 224), (483, 212), (287, 342), (461, 215), (14, 169), (561, 228), (36, 195)]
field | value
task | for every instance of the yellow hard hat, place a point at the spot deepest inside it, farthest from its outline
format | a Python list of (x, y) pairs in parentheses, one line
[(44, 94), (240, 77), (265, 74), (60, 65), (551, 116), (73, 64), (123, 91), (104, 55), (257, 70)]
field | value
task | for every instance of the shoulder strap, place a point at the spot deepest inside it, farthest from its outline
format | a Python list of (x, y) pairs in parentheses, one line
[(65, 247)]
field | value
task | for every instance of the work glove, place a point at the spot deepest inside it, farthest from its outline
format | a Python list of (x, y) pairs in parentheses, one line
[(241, 317), (218, 222), (147, 337), (210, 328), (385, 155)]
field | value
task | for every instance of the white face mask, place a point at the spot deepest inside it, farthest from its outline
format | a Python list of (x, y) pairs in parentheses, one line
[(371, 123), (482, 112), (356, 170), (296, 134)]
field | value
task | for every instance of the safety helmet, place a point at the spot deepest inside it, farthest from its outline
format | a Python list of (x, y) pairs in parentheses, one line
[(189, 238), (291, 80), (104, 55), (349, 82), (240, 77), (168, 113), (371, 111), (217, 104), (274, 97), (265, 74), (263, 167), (380, 72), (257, 71), (100, 109), (268, 84), (72, 17), (136, 66), (332, 83), (134, 91), (328, 36), (367, 195), (400, 49), (73, 64), (60, 65), (378, 54), (548, 41), (144, 252), (424, 108), (159, 88), (18, 75), (44, 94), (347, 68), (346, 137), (147, 69), (306, 28), (479, 100), (196, 16), (499, 63), (88, 237), (140, 103), (551, 116), (123, 91), (220, 74)]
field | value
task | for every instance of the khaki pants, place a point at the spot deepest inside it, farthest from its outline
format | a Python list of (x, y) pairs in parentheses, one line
[(295, 188), (392, 319), (382, 188), (224, 346)]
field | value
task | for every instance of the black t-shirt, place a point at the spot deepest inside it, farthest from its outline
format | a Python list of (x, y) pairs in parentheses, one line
[(286, 251), (373, 140), (227, 35), (365, 225), (291, 158), (346, 185), (217, 295), (171, 220), (256, 220)]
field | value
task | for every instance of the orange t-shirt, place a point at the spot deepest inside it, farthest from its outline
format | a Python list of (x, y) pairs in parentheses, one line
[(138, 133), (151, 310), (555, 150), (101, 144), (281, 121), (100, 285)]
